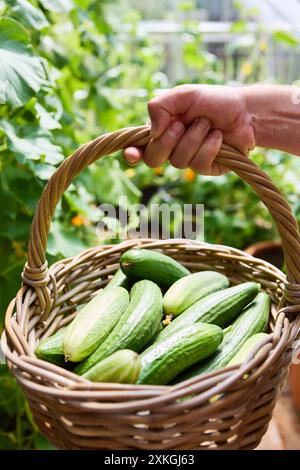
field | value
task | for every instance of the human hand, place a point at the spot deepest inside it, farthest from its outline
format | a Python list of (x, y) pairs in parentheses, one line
[(189, 124)]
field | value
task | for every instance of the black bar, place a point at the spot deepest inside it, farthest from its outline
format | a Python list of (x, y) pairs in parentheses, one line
[(139, 459)]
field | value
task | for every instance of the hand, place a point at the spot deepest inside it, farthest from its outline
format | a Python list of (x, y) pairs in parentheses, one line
[(189, 124)]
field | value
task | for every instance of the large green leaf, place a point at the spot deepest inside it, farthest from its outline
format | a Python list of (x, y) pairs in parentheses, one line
[(286, 37), (47, 120), (22, 75), (28, 14), (32, 142), (64, 241)]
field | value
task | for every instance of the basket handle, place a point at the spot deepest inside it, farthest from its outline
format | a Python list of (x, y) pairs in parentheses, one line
[(36, 273)]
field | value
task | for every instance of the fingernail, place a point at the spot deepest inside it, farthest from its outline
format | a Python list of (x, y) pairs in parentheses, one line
[(131, 159), (203, 122), (217, 134), (176, 129)]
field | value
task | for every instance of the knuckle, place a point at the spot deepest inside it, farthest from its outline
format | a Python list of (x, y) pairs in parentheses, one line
[(152, 104), (203, 124), (165, 142)]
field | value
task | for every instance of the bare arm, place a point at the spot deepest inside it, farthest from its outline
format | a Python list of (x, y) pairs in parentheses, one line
[(275, 116)]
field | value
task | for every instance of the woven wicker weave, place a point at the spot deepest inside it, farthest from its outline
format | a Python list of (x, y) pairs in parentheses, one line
[(222, 410)]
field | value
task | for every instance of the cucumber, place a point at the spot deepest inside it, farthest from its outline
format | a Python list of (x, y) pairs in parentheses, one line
[(136, 327), (152, 265), (122, 367), (254, 319), (219, 308), (247, 347), (94, 323), (162, 361), (51, 349), (190, 289), (119, 280)]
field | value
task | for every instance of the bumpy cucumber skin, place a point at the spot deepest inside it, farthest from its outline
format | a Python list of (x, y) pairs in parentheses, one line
[(190, 289), (254, 319), (51, 349), (94, 323), (119, 280), (162, 361), (151, 265), (247, 347), (122, 367), (136, 327), (218, 308)]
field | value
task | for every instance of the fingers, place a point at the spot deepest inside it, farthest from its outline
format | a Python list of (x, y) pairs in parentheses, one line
[(190, 142), (203, 161), (159, 150), (196, 148), (133, 155)]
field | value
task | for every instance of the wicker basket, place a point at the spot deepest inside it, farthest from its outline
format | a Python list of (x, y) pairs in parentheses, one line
[(221, 410)]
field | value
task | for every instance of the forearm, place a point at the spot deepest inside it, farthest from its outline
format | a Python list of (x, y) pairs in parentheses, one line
[(275, 116)]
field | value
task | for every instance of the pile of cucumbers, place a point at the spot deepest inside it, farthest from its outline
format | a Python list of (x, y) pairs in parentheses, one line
[(156, 323)]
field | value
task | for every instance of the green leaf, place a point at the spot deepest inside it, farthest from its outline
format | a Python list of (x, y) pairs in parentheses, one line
[(110, 183), (63, 241), (14, 178), (80, 203), (43, 171), (286, 37), (32, 142), (28, 14), (47, 121), (21, 74), (58, 6), (41, 443), (8, 204), (238, 26)]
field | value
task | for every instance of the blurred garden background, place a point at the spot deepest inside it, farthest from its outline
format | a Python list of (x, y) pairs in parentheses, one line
[(71, 70)]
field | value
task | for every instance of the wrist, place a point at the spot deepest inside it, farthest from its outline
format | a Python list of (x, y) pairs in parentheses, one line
[(258, 112), (273, 114)]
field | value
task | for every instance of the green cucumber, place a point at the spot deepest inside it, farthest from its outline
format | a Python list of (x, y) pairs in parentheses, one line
[(219, 308), (163, 361), (119, 280), (136, 327), (254, 319), (247, 347), (122, 367), (190, 289), (51, 349), (94, 323), (152, 265)]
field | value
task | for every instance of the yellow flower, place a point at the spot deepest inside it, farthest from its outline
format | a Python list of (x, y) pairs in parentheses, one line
[(189, 175), (130, 172), (247, 68), (263, 46), (78, 221)]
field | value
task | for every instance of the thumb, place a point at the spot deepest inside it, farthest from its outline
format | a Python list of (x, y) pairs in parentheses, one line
[(160, 118)]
